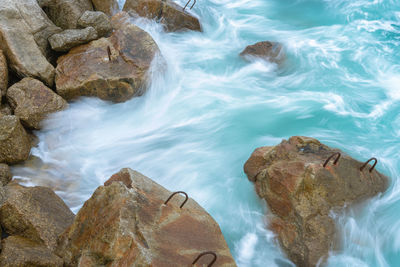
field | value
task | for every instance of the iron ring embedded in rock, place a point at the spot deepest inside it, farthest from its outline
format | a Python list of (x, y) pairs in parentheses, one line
[(188, 3), (178, 192), (336, 160), (366, 163), (206, 253)]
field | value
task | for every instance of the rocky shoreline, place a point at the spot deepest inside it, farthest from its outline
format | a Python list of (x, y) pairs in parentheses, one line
[(54, 51)]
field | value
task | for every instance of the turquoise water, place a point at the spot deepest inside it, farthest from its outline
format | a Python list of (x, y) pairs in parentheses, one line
[(207, 110)]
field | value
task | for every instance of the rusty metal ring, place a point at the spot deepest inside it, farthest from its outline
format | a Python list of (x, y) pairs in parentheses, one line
[(366, 163), (205, 253), (336, 160), (188, 3), (178, 192)]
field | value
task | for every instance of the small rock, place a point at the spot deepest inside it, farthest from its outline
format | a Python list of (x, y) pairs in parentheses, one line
[(32, 102), (68, 39), (5, 174), (36, 213), (3, 75), (113, 68), (66, 13), (21, 252), (271, 51), (15, 144), (97, 20), (125, 223), (165, 11), (109, 7), (301, 193)]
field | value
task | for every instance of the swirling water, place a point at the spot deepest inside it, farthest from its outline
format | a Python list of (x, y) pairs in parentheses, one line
[(207, 110)]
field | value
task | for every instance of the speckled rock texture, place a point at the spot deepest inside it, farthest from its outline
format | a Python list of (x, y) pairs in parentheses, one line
[(67, 39), (98, 20)]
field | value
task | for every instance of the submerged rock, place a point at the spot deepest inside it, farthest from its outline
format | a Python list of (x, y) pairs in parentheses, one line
[(167, 12), (3, 75), (64, 41), (125, 223), (15, 144), (24, 30), (113, 68), (109, 7), (32, 101), (270, 51), (19, 251), (301, 193), (66, 13), (97, 20), (35, 213), (5, 174)]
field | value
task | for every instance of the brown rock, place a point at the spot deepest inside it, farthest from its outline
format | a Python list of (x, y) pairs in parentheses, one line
[(165, 11), (113, 68), (3, 75), (98, 20), (5, 174), (24, 30), (67, 39), (66, 13), (21, 252), (301, 193), (32, 101), (5, 110), (109, 7), (126, 224), (36, 213), (271, 51), (15, 144)]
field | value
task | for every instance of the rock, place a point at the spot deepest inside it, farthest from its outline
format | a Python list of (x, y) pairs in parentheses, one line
[(5, 174), (5, 110), (271, 51), (109, 7), (125, 223), (21, 252), (24, 30), (36, 213), (165, 11), (32, 102), (97, 20), (66, 13), (15, 144), (3, 75), (113, 68), (301, 193), (64, 41)]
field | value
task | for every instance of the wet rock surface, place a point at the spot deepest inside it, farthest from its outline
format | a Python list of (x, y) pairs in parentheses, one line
[(98, 20), (24, 30), (32, 101), (125, 223), (166, 12), (270, 51), (22, 252), (301, 193), (15, 144), (113, 68), (109, 7), (65, 40)]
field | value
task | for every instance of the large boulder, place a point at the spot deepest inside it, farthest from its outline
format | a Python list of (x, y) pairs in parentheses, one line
[(32, 101), (67, 39), (22, 252), (36, 213), (24, 30), (270, 51), (98, 20), (109, 7), (167, 12), (66, 13), (113, 68), (301, 189), (3, 75), (15, 144), (125, 223), (5, 174)]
